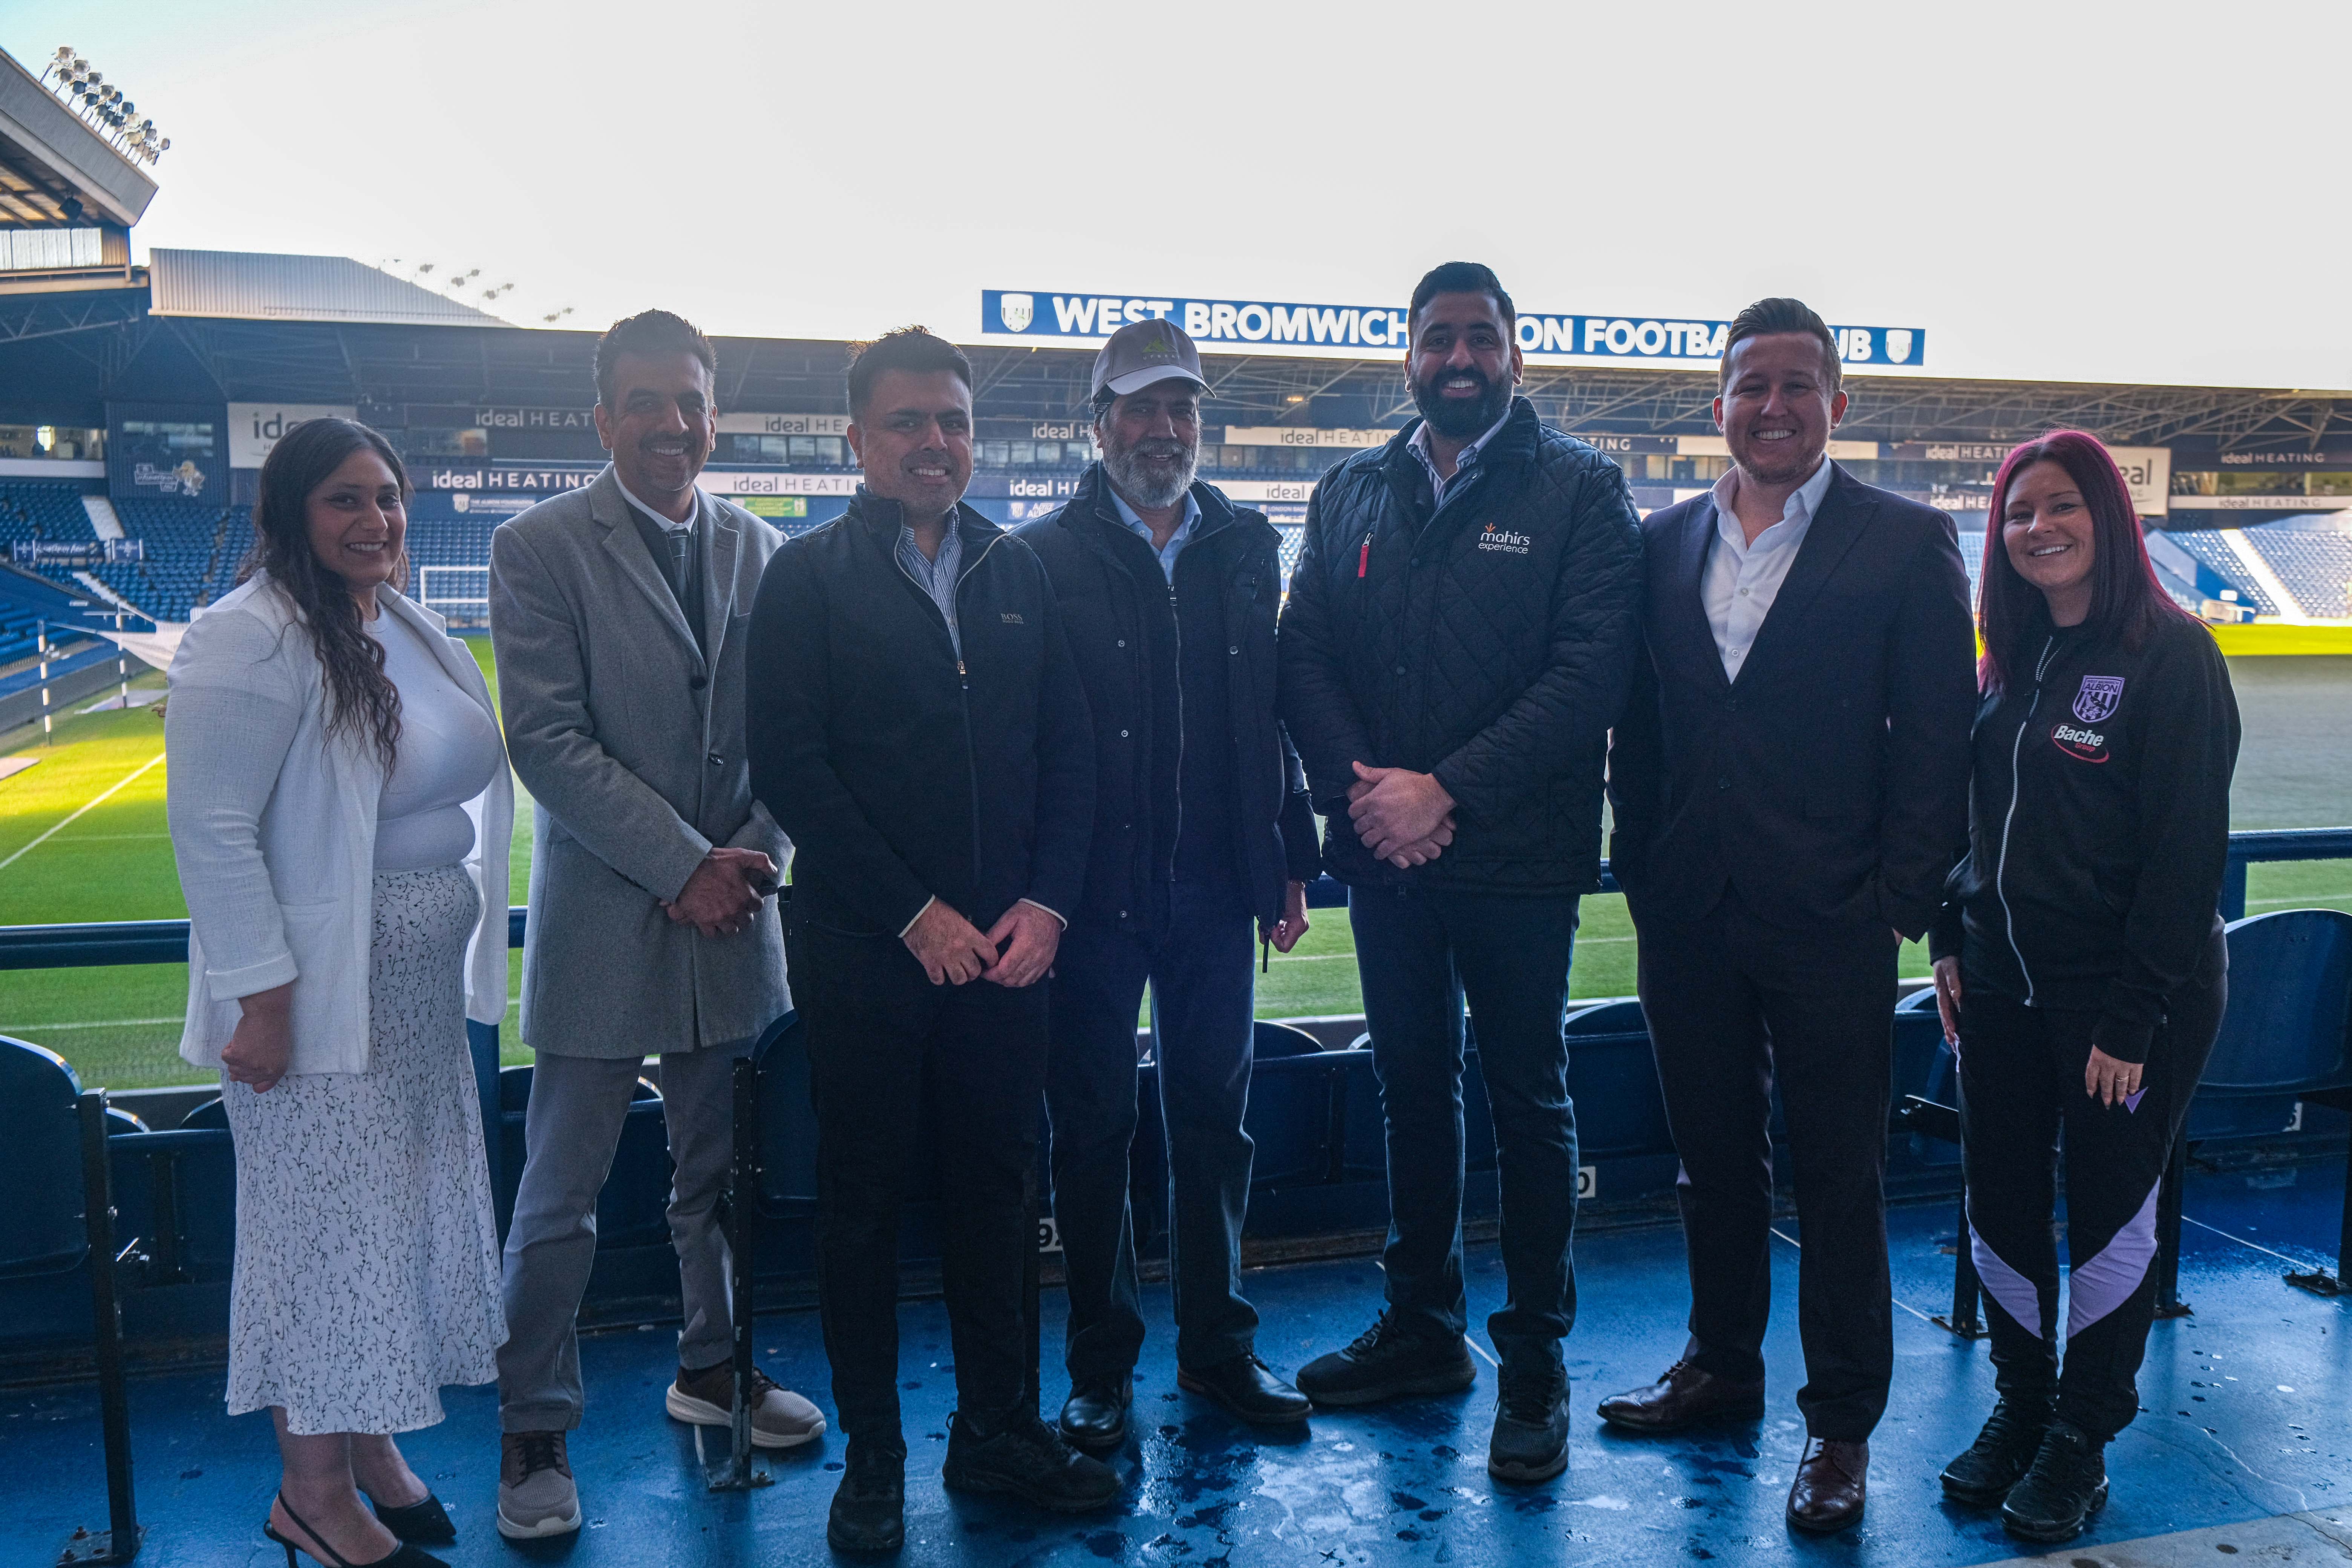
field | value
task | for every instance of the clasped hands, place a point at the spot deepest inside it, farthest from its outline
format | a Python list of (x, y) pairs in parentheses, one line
[(1404, 818), (725, 892), (1017, 950)]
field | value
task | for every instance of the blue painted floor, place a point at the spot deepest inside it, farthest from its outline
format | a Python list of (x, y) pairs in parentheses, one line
[(2249, 1414)]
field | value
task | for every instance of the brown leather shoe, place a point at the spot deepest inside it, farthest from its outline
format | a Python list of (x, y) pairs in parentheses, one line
[(1684, 1398), (1828, 1492)]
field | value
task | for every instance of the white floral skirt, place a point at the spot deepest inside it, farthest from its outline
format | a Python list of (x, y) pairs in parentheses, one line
[(367, 1252)]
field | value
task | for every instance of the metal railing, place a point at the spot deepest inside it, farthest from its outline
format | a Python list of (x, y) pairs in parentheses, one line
[(87, 944)]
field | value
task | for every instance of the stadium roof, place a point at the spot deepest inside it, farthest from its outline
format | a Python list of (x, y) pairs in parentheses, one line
[(49, 158), (252, 285), (229, 325)]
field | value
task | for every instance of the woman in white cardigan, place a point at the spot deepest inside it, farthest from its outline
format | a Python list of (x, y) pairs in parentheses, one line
[(340, 810)]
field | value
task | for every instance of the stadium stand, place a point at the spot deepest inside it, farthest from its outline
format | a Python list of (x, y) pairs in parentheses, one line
[(41, 510), (2213, 551), (2315, 564), (192, 548)]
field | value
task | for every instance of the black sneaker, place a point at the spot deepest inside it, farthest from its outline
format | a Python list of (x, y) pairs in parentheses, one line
[(1531, 1440), (2067, 1485), (1387, 1361), (2001, 1454), (1028, 1460), (869, 1506)]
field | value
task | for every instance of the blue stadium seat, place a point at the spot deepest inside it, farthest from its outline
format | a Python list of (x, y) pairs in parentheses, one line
[(40, 1163), (2287, 1036)]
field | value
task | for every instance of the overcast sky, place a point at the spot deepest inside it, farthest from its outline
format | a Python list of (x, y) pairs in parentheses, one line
[(2055, 189)]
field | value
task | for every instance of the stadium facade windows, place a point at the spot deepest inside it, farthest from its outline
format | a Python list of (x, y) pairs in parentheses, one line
[(67, 443)]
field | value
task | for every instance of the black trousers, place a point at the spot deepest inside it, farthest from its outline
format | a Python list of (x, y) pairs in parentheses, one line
[(891, 1055), (2021, 1082), (1201, 988), (1420, 954), (1732, 1004)]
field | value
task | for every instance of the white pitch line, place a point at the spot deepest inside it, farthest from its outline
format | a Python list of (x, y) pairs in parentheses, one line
[(100, 800), (101, 1024)]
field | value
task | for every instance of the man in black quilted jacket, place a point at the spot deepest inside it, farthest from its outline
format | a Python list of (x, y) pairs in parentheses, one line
[(1459, 635)]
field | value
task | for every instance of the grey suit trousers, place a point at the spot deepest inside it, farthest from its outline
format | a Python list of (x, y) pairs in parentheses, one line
[(570, 1130)]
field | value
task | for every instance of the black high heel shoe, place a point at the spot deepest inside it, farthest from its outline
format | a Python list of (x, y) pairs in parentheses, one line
[(425, 1523), (405, 1555)]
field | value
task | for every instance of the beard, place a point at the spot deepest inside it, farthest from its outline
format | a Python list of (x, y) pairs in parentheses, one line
[(1459, 418), (1152, 473)]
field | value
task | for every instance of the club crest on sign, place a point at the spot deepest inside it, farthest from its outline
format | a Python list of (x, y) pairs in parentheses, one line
[(1018, 311), (1898, 344), (2098, 697)]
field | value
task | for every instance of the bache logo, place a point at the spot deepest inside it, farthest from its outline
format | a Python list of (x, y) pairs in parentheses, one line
[(2084, 744), (1504, 541)]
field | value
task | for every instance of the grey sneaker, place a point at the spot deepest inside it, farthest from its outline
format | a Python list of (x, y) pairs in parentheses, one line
[(780, 1418), (536, 1496)]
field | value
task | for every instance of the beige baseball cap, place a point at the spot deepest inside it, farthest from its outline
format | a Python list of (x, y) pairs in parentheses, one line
[(1141, 352)]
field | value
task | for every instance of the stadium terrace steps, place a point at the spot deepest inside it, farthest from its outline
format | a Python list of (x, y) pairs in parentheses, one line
[(2316, 567)]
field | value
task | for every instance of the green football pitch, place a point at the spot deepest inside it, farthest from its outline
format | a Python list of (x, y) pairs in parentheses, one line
[(82, 838)]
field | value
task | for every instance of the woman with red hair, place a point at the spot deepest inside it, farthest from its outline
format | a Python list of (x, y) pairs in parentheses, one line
[(2079, 965)]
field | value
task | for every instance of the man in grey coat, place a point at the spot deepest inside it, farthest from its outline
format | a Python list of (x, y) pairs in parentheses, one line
[(620, 615)]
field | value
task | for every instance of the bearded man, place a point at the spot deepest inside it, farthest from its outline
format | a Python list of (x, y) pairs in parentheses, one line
[(1203, 840), (1458, 640)]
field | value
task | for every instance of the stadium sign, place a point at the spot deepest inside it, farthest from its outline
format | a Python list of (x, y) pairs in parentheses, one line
[(77, 552), (1262, 326), (254, 427), (784, 424), (542, 479)]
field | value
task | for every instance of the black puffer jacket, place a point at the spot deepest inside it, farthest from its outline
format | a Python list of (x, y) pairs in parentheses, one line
[(1121, 617), (901, 771), (1487, 641)]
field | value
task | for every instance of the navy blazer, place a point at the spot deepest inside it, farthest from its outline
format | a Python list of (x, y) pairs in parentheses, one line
[(1829, 784)]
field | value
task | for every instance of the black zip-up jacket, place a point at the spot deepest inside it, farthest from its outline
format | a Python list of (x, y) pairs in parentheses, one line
[(2098, 830), (1486, 641), (1119, 609), (901, 772)]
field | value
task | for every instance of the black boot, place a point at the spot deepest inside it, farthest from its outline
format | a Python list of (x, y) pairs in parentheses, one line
[(2001, 1454), (1094, 1418), (2067, 1485), (1386, 1361), (1028, 1459), (869, 1506)]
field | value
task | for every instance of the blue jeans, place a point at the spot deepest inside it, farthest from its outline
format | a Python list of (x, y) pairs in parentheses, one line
[(1420, 952), (1203, 991)]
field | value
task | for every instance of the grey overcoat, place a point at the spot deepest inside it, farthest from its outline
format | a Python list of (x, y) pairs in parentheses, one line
[(631, 745)]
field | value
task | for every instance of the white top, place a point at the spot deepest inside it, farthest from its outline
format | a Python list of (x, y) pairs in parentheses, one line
[(448, 749), (273, 826), (1742, 579)]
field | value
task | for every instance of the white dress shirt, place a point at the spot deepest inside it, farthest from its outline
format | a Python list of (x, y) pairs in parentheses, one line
[(1742, 579)]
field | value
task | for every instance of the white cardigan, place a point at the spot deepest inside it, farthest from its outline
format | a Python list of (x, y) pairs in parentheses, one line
[(273, 826)]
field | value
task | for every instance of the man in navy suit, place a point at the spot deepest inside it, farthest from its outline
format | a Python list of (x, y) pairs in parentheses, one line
[(1790, 783)]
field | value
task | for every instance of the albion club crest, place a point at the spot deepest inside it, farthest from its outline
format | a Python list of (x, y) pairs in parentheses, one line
[(2098, 698), (1018, 311)]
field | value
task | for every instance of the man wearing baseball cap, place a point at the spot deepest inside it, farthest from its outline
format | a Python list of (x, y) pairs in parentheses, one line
[(1203, 841)]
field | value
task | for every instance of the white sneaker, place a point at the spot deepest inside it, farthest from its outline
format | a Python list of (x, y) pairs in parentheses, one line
[(780, 1418)]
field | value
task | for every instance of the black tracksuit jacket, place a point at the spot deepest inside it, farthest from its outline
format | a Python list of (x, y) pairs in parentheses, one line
[(1119, 611), (900, 770), (1487, 641), (2098, 828)]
